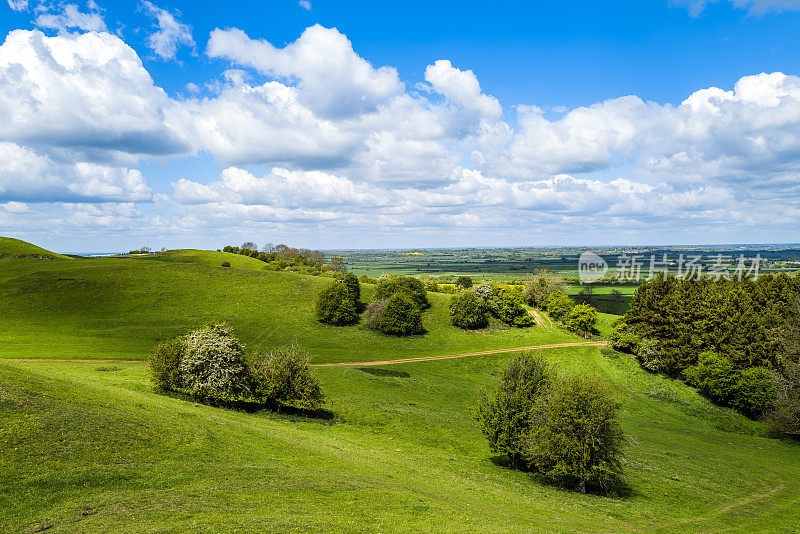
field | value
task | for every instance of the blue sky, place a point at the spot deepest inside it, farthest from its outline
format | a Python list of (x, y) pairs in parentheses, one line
[(383, 124)]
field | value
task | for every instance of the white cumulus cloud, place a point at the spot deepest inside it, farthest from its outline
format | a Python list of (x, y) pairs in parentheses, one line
[(332, 79), (170, 33)]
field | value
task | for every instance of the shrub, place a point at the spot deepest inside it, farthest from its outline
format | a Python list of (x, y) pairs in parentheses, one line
[(581, 319), (365, 279), (508, 308), (623, 338), (504, 417), (400, 316), (559, 305), (284, 376), (575, 438), (413, 288), (468, 311), (350, 282), (714, 375), (755, 391), (373, 313), (649, 355), (487, 291), (226, 264), (463, 282), (538, 289), (334, 305), (165, 361), (785, 413), (213, 366)]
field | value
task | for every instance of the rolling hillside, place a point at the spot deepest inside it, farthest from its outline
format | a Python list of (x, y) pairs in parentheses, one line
[(119, 308), (16, 247), (92, 447)]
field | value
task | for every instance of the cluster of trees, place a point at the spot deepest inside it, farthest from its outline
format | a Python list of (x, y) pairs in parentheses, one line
[(283, 257), (735, 340), (211, 365), (396, 310), (565, 429), (548, 291), (470, 308)]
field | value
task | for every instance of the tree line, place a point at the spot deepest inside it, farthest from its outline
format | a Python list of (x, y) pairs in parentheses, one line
[(735, 340)]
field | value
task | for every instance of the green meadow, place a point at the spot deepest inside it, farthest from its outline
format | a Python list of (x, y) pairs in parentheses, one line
[(92, 447)]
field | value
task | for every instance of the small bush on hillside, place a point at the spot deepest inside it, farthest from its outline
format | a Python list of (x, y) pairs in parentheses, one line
[(752, 390), (505, 303), (575, 438), (785, 413), (468, 311), (372, 313), (755, 391), (413, 288), (335, 305), (581, 319), (538, 289), (505, 416), (400, 316), (559, 305), (714, 375), (623, 338), (213, 365), (284, 376), (350, 282), (508, 308), (226, 264), (365, 279), (463, 282), (487, 291), (165, 361), (430, 284), (649, 355)]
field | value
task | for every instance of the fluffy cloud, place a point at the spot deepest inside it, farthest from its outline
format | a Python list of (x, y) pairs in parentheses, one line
[(31, 177), (462, 89), (86, 92), (70, 18), (264, 124), (332, 79), (170, 35), (18, 5)]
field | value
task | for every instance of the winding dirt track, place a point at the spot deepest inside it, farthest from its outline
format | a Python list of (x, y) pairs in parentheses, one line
[(353, 364), (463, 355)]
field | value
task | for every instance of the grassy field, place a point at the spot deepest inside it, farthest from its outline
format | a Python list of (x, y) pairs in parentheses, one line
[(88, 447), (119, 308), (16, 247), (91, 447)]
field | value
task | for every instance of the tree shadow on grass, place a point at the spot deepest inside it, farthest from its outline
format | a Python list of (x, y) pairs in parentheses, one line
[(294, 412), (619, 490)]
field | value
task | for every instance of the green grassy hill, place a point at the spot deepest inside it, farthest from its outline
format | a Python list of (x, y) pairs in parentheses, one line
[(119, 308), (91, 447), (16, 247)]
